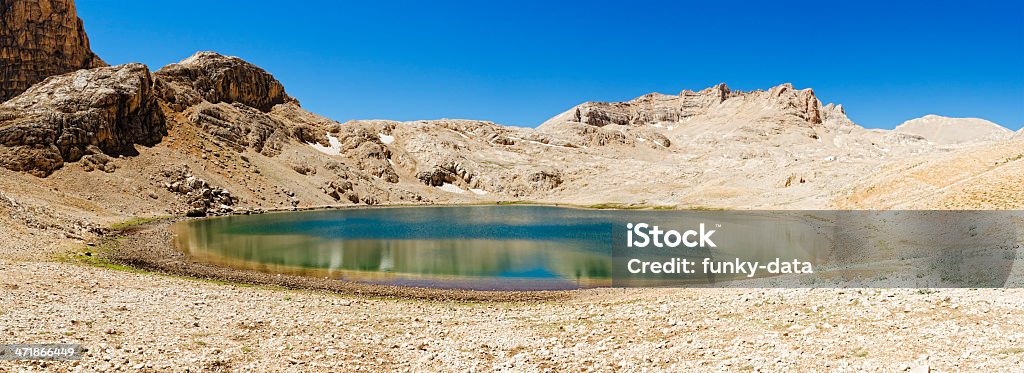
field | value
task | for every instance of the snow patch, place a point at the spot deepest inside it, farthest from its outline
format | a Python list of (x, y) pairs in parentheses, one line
[(478, 192), (548, 145), (451, 188), (333, 149), (386, 139)]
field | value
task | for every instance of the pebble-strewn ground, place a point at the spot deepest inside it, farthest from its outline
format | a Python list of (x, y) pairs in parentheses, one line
[(133, 321)]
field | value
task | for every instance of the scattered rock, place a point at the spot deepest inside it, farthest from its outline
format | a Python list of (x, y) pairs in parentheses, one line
[(201, 198)]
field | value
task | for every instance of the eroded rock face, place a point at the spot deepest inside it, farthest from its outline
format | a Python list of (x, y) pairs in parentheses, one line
[(111, 108), (648, 109), (39, 39), (216, 78), (240, 126)]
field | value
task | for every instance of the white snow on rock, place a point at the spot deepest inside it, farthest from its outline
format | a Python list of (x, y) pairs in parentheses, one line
[(478, 192), (386, 139), (333, 149), (451, 188)]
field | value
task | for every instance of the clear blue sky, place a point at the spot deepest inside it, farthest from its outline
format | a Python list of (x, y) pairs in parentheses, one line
[(520, 62)]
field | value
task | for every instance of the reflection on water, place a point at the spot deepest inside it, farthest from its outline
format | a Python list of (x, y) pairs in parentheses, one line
[(478, 247), (536, 247), (483, 247)]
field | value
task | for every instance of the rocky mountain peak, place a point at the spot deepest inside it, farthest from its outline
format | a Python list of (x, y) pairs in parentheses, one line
[(39, 39), (801, 102), (212, 77)]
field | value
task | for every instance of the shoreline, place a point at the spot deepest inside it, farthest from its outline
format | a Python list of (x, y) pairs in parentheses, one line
[(614, 206)]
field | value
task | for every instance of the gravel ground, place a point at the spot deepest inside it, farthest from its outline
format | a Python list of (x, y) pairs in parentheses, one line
[(140, 321)]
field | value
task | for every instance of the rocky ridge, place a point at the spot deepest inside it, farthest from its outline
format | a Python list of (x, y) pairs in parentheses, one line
[(39, 39)]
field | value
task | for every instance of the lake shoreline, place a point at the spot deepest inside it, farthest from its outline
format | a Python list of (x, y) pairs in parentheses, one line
[(600, 206)]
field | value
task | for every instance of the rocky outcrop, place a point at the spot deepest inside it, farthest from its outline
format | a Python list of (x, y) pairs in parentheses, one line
[(362, 143), (450, 172), (39, 39), (351, 185), (111, 108), (211, 77), (802, 103)]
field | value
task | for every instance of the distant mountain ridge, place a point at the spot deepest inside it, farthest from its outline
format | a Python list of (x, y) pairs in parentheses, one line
[(946, 130)]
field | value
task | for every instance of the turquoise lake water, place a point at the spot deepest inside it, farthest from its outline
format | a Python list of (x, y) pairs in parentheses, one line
[(467, 247)]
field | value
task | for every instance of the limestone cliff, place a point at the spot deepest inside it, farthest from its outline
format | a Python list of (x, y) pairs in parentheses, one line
[(39, 39)]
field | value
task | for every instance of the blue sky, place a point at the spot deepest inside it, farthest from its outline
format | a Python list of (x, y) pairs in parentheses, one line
[(521, 62)]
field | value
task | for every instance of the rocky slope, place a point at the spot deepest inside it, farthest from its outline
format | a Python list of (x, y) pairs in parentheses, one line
[(38, 39), (946, 131)]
